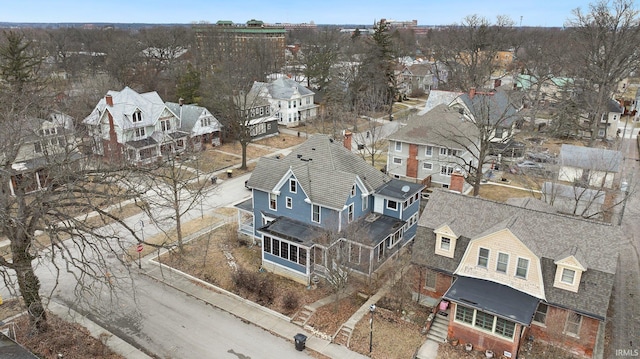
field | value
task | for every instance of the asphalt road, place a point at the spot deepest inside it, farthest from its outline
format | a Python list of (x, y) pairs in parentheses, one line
[(162, 321), (625, 305), (169, 324)]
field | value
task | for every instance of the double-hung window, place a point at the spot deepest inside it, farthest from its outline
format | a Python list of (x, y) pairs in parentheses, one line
[(522, 268), (483, 257), (273, 201), (503, 262), (568, 276)]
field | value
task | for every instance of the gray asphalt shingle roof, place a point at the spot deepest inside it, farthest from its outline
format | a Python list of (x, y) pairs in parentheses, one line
[(550, 236), (125, 103), (189, 115), (324, 168), (442, 126), (598, 159), (283, 88), (496, 105), (439, 97)]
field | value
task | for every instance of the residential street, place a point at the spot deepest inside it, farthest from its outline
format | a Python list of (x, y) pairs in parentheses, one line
[(625, 315), (167, 323), (159, 320)]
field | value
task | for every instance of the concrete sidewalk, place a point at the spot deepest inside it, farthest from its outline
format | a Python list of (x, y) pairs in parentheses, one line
[(114, 343), (270, 320)]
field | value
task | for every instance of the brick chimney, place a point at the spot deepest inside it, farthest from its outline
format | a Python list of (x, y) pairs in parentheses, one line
[(109, 100), (472, 92), (457, 182), (347, 140)]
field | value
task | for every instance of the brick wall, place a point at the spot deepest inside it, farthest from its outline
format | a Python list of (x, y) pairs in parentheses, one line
[(443, 282), (553, 332), (483, 341), (412, 161)]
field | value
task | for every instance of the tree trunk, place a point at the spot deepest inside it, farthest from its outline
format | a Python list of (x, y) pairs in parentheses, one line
[(244, 155), (175, 179), (29, 285)]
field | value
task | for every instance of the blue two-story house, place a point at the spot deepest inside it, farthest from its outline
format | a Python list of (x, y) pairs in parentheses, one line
[(321, 196)]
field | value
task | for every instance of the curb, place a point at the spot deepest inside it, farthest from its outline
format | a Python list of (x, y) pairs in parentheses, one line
[(114, 343)]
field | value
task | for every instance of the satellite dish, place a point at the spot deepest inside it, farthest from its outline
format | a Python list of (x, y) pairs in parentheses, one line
[(405, 188)]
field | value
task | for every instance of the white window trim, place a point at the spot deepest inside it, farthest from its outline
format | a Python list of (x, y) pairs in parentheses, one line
[(442, 241), (393, 209), (528, 265), (351, 209), (291, 183), (397, 160), (498, 262), (398, 146), (426, 151), (574, 335), (288, 202), (319, 213), (275, 207), (424, 164), (488, 258), (573, 278)]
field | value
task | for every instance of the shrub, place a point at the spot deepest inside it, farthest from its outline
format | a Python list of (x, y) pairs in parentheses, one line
[(290, 301), (257, 283)]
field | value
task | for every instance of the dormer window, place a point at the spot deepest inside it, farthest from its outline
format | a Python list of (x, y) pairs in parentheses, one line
[(445, 244), (445, 241), (568, 276), (137, 116)]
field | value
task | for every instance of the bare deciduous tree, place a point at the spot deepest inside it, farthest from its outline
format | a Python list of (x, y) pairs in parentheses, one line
[(604, 52), (467, 51), (54, 204)]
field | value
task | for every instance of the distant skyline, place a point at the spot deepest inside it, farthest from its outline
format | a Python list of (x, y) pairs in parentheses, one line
[(434, 12)]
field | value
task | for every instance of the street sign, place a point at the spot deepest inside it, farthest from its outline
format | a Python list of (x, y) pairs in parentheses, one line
[(139, 248)]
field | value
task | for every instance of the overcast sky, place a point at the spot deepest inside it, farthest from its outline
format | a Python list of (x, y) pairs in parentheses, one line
[(427, 12)]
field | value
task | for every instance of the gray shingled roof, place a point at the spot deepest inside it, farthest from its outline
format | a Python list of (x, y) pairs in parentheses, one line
[(324, 168), (500, 109), (189, 115), (550, 236), (598, 159), (442, 126), (439, 97), (420, 69), (283, 88), (615, 106), (125, 103), (532, 203)]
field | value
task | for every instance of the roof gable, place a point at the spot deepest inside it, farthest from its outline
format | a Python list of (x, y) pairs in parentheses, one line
[(507, 241), (441, 126), (571, 262), (125, 103), (548, 235), (324, 168)]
